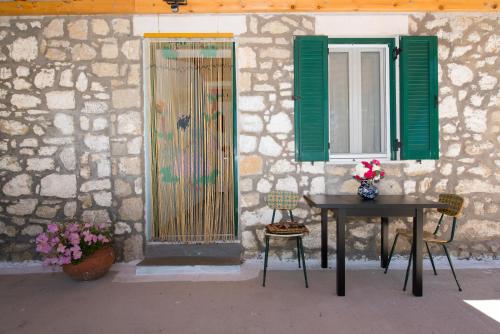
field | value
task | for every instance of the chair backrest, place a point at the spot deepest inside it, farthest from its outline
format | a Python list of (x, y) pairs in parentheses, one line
[(282, 200), (455, 204)]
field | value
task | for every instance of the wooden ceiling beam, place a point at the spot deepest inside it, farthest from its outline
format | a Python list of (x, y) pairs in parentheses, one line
[(78, 7)]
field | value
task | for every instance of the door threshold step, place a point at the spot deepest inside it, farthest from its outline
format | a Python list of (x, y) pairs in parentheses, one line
[(190, 261), (188, 265), (165, 250)]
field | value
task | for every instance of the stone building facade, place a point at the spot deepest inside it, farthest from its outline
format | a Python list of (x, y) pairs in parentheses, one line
[(469, 110), (71, 129), (71, 132)]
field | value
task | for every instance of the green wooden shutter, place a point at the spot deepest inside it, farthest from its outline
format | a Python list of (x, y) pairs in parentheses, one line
[(419, 98), (311, 98)]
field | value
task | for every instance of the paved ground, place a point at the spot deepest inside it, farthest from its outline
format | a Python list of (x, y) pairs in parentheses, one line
[(375, 303)]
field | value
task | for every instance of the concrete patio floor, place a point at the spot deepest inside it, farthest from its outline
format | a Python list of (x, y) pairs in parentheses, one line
[(375, 303)]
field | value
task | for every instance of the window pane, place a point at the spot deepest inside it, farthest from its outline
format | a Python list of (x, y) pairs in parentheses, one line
[(339, 106), (370, 102)]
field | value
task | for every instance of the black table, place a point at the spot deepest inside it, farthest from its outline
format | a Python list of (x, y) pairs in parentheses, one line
[(383, 206)]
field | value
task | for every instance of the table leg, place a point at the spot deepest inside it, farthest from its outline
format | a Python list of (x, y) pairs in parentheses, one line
[(324, 238), (340, 217), (418, 231), (384, 242)]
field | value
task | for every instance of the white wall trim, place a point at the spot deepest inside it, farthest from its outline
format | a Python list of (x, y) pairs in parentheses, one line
[(189, 23), (371, 25)]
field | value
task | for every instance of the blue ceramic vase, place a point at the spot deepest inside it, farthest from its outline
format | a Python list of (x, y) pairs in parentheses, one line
[(367, 191)]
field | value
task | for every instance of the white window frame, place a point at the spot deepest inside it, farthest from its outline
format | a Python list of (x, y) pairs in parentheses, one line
[(355, 80)]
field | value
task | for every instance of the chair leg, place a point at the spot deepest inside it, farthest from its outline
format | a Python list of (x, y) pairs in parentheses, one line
[(298, 250), (266, 254), (303, 260), (408, 268), (392, 252), (451, 266), (430, 257)]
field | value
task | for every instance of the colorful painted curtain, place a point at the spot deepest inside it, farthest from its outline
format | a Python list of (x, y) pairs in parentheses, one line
[(192, 140)]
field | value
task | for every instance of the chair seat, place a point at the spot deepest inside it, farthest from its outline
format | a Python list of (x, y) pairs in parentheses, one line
[(286, 228), (428, 236)]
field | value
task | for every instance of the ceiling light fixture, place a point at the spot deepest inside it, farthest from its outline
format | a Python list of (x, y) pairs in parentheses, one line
[(174, 4)]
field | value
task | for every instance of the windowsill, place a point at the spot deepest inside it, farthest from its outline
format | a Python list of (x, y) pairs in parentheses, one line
[(352, 161)]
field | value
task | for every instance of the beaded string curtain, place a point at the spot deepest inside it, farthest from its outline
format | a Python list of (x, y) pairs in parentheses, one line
[(192, 140)]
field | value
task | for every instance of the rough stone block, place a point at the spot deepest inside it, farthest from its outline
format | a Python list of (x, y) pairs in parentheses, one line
[(121, 26), (24, 49), (132, 49), (133, 248), (13, 128), (82, 51), (126, 98), (251, 165), (105, 69), (19, 185), (23, 207), (130, 166), (54, 29), (100, 27), (78, 29), (64, 123), (98, 143), (58, 185), (23, 101), (132, 209), (40, 164), (61, 100), (94, 185)]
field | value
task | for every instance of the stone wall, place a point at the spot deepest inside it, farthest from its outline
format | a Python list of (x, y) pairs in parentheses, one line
[(469, 139), (70, 129), (266, 141)]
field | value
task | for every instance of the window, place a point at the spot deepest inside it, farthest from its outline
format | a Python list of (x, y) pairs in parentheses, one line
[(358, 100), (345, 98)]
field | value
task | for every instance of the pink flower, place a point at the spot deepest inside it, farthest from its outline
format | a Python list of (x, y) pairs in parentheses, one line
[(72, 228), (43, 248), (61, 248), (64, 260), (376, 162), (77, 255), (367, 164), (89, 238), (42, 237), (102, 239), (52, 228), (369, 175), (74, 239), (54, 241), (76, 251), (60, 244)]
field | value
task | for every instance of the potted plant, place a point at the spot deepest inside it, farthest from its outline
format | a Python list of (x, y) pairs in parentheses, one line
[(368, 172), (83, 250)]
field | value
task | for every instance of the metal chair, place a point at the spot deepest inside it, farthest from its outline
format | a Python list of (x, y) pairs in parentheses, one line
[(455, 206), (285, 201)]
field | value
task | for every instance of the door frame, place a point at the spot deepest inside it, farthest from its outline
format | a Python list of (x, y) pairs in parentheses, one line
[(147, 136)]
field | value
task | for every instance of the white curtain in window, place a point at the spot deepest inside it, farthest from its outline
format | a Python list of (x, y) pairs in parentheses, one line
[(339, 106), (370, 102)]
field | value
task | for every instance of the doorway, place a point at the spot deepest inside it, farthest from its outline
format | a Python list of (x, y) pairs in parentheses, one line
[(191, 123)]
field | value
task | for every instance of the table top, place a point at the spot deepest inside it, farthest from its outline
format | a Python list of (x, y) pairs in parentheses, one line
[(381, 202)]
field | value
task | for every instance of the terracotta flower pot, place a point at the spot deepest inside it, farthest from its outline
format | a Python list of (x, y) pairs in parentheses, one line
[(93, 267)]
